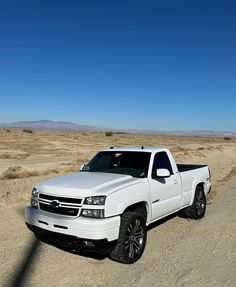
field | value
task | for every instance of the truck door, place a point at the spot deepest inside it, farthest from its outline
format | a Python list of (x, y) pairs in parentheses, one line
[(166, 193)]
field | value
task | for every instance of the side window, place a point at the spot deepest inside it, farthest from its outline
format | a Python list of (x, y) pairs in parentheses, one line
[(161, 160)]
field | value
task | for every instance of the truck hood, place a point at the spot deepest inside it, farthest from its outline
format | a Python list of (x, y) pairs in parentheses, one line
[(84, 184)]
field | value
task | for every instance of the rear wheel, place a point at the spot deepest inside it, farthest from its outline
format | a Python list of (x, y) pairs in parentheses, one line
[(198, 207), (132, 238)]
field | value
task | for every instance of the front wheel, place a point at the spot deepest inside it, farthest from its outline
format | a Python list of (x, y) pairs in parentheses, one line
[(198, 207), (132, 238)]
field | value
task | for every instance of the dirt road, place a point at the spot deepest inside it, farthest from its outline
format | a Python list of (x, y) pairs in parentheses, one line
[(179, 252)]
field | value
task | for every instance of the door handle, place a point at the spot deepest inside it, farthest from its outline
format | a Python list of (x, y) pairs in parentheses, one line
[(175, 181)]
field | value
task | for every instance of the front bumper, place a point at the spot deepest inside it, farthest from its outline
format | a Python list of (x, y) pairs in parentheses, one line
[(80, 227), (101, 246)]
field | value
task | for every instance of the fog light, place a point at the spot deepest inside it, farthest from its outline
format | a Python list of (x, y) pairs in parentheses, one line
[(88, 244), (34, 202), (94, 213)]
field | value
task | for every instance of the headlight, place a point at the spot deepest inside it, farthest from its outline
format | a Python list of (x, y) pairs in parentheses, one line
[(95, 200), (94, 213), (35, 192), (34, 198)]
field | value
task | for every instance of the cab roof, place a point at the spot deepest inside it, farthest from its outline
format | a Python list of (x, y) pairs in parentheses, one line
[(137, 148)]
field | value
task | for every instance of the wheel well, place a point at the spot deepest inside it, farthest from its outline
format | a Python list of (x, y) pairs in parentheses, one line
[(140, 208), (201, 184)]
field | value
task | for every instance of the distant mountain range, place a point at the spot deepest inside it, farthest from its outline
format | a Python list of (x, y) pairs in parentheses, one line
[(68, 126), (51, 125)]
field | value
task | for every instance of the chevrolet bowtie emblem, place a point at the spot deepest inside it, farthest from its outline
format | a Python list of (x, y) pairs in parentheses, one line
[(54, 203)]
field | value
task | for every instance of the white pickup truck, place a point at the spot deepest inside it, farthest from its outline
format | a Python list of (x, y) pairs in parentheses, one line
[(107, 206)]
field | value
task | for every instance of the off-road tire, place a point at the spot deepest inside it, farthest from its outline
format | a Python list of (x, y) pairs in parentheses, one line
[(132, 238), (198, 207)]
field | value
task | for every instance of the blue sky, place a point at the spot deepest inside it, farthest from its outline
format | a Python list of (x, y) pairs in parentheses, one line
[(164, 65)]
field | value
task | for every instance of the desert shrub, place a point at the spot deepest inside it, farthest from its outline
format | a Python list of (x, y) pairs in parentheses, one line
[(27, 131), (109, 134), (6, 155), (6, 130), (18, 172), (121, 133), (12, 172), (227, 138)]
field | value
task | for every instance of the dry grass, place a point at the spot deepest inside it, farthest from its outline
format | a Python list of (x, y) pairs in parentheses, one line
[(181, 153), (8, 155), (40, 153), (29, 158), (21, 172)]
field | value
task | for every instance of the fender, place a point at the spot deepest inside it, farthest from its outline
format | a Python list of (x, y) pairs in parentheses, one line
[(120, 200), (126, 205)]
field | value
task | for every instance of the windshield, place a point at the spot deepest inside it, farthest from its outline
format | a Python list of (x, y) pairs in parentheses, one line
[(125, 162)]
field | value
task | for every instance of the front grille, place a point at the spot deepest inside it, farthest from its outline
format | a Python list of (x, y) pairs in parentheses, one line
[(59, 205), (61, 199)]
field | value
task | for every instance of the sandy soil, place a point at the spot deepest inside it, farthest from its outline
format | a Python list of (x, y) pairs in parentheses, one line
[(179, 252)]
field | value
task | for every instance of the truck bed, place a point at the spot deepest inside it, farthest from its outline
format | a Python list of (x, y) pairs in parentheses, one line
[(187, 167)]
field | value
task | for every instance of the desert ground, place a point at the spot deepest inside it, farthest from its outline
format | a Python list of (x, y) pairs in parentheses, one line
[(179, 252)]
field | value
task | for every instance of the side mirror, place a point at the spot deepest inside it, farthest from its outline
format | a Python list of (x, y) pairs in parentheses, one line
[(81, 167), (163, 172)]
